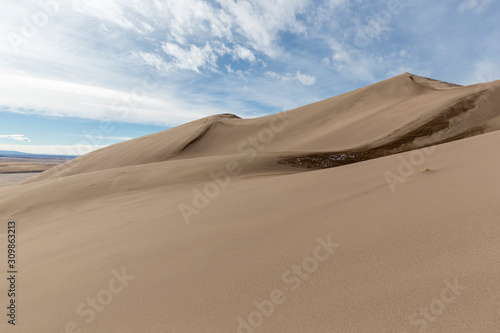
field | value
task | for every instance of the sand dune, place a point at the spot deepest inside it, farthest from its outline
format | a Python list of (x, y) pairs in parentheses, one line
[(372, 211), (367, 117)]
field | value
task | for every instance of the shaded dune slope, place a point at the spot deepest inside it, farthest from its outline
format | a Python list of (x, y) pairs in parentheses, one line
[(118, 209), (399, 114)]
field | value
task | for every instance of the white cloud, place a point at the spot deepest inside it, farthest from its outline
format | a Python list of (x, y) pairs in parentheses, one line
[(73, 150), (306, 80), (187, 19), (17, 137), (238, 72), (340, 54), (29, 95), (485, 71), (274, 75), (97, 137), (373, 28), (475, 5), (153, 60), (260, 21), (192, 58), (108, 11), (93, 52), (352, 62), (196, 58), (244, 53)]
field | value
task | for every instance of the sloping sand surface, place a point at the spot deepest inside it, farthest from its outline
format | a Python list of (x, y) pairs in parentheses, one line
[(194, 235), (11, 179), (367, 117)]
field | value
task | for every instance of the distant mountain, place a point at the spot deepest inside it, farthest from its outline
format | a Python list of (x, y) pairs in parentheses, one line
[(18, 154), (10, 153)]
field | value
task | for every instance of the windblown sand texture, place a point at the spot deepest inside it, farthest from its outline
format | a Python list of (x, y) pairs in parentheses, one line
[(206, 255)]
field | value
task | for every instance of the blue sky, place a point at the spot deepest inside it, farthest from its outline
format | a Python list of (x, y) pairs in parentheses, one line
[(79, 75)]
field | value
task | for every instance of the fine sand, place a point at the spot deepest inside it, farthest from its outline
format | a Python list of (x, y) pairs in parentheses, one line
[(372, 211), (21, 165), (11, 179)]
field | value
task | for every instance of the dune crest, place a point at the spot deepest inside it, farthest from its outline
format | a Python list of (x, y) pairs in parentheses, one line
[(366, 212), (399, 114)]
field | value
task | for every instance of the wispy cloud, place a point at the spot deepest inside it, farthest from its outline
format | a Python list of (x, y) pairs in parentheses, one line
[(226, 56), (306, 80), (352, 62), (114, 138), (70, 150), (261, 21), (30, 95), (475, 5), (244, 54), (485, 71), (193, 58), (16, 137)]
